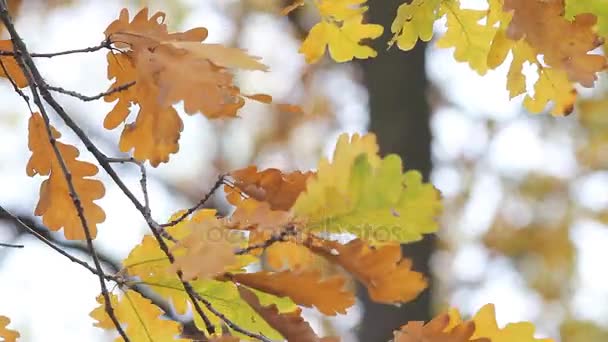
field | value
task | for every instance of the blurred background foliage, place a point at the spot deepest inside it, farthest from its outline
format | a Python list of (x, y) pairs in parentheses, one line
[(526, 196)]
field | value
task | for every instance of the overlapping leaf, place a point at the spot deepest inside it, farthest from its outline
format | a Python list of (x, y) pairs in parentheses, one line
[(328, 295), (360, 193), (387, 276), (142, 318), (169, 68), (55, 204), (7, 334)]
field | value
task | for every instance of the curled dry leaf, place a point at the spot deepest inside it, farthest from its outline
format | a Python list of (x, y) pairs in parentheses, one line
[(55, 204), (169, 68), (327, 295), (386, 274)]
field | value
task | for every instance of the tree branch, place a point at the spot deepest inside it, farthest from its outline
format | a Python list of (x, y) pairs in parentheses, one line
[(86, 98), (106, 44), (22, 59)]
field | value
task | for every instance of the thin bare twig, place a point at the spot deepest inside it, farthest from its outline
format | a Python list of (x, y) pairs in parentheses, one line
[(22, 58), (105, 44), (202, 202), (86, 98), (47, 242), (279, 237)]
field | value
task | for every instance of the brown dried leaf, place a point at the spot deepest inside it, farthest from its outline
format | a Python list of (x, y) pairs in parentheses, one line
[(10, 64)]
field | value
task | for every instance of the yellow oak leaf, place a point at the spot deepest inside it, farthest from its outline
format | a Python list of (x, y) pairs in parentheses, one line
[(253, 214), (358, 186), (207, 251), (327, 295), (470, 39), (343, 42), (142, 318), (486, 327), (168, 68), (7, 334), (341, 31), (9, 66), (414, 21), (437, 330), (290, 325), (55, 204), (386, 274), (552, 85)]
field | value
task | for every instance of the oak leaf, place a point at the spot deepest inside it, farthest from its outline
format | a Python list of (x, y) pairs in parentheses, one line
[(55, 204), (564, 45), (387, 276), (437, 330), (327, 295), (414, 21), (486, 327), (168, 68), (9, 67), (358, 186), (290, 325), (8, 335), (470, 39), (142, 318)]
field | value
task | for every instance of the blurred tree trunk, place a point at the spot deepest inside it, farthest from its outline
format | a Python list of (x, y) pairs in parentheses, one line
[(397, 87)]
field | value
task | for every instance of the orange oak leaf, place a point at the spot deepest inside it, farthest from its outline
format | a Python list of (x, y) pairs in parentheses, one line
[(290, 325), (55, 205), (437, 330), (7, 334), (168, 68), (279, 189), (386, 274), (565, 44), (327, 295), (9, 66), (207, 251)]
